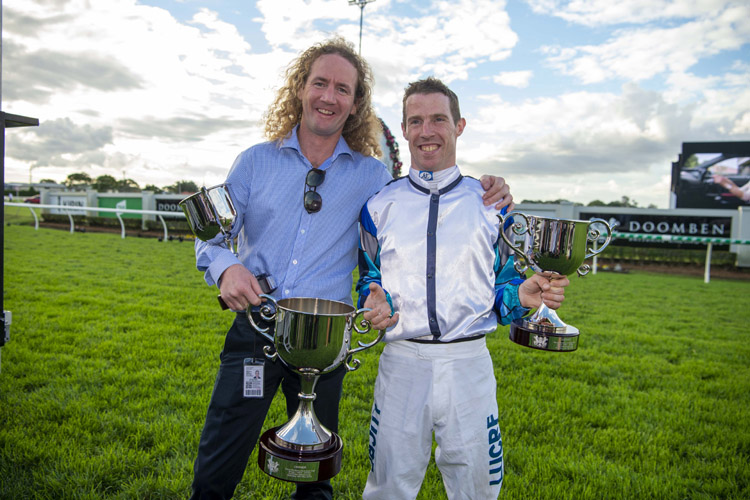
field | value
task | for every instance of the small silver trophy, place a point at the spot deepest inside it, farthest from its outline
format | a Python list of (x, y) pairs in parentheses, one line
[(311, 337), (553, 247), (210, 212)]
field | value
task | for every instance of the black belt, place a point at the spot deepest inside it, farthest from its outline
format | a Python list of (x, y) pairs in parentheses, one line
[(436, 341)]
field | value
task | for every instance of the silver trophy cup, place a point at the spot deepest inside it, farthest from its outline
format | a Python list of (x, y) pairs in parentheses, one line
[(210, 212), (553, 247), (311, 337)]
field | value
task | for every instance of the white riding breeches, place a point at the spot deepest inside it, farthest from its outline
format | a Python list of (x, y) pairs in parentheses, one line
[(448, 389)]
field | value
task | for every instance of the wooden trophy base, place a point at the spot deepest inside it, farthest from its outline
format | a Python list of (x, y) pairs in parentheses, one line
[(299, 466), (544, 338)]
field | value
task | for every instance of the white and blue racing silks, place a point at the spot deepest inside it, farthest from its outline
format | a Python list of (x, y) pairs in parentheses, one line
[(441, 258)]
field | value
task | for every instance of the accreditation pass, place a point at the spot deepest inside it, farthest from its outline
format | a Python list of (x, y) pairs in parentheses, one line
[(252, 386)]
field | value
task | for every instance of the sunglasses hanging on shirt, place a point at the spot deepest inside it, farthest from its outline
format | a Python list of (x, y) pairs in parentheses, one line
[(312, 199)]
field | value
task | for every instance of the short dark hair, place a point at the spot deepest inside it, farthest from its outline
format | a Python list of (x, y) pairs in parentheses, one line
[(432, 85)]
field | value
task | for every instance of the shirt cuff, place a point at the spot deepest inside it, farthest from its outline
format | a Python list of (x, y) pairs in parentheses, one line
[(218, 266)]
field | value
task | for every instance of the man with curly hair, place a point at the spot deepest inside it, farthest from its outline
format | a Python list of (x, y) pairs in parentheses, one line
[(297, 198)]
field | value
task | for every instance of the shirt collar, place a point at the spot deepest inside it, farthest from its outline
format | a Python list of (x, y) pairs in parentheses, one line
[(292, 141), (439, 179)]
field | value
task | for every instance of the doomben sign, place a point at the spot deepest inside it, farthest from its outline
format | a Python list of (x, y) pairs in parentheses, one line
[(676, 225)]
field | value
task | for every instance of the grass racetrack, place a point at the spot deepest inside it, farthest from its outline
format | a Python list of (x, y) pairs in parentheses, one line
[(115, 342)]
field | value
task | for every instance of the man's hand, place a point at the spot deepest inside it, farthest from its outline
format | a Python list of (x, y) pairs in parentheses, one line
[(539, 288), (380, 317), (239, 288), (496, 191)]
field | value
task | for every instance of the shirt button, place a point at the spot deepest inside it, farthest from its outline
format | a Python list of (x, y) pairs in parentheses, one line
[(302, 231), (286, 292), (294, 262)]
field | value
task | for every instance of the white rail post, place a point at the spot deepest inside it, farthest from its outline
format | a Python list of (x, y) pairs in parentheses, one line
[(36, 219), (707, 273), (122, 224), (164, 225), (72, 222)]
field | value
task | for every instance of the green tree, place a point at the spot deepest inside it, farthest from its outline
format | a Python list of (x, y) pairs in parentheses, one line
[(624, 202), (128, 186), (104, 183), (597, 203), (182, 187), (155, 189), (78, 181)]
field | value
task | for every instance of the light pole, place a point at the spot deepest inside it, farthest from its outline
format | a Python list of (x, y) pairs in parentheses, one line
[(361, 4)]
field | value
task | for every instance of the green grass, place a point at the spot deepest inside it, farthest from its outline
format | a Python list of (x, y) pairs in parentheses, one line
[(114, 349)]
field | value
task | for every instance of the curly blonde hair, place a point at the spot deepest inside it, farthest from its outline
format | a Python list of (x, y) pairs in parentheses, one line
[(360, 130)]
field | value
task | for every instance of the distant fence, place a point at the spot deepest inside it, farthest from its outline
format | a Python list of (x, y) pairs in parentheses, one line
[(708, 241), (693, 218), (76, 210), (680, 239)]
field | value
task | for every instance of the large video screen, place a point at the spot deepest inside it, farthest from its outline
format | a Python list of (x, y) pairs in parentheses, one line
[(712, 175)]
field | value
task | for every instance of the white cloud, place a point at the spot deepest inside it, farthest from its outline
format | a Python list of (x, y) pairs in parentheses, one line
[(518, 79), (186, 84), (640, 54), (607, 12)]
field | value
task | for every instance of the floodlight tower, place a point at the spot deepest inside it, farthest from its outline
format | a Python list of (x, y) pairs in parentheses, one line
[(361, 4)]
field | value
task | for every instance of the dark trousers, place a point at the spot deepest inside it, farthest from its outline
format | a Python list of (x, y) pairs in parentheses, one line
[(233, 423)]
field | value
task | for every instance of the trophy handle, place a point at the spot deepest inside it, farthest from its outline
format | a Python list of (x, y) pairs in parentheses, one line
[(270, 352), (521, 264), (267, 313), (366, 327), (593, 236)]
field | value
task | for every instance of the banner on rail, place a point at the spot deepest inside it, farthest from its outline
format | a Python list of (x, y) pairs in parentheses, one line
[(68, 200), (169, 203), (663, 224)]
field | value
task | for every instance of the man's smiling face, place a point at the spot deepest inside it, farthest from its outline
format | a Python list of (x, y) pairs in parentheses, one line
[(431, 131), (328, 95)]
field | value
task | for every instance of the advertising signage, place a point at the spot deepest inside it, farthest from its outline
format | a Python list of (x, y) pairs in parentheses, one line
[(169, 204), (711, 175), (664, 224), (68, 200), (120, 201)]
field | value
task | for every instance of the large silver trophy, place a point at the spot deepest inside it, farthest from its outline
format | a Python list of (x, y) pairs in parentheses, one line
[(311, 337), (555, 248)]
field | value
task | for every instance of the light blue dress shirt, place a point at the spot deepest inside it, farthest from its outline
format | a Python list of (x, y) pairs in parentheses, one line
[(308, 255)]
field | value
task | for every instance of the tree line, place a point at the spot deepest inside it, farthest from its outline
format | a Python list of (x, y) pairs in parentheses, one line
[(81, 181), (625, 201)]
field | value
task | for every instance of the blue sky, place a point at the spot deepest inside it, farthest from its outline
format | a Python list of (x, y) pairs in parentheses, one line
[(565, 99)]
